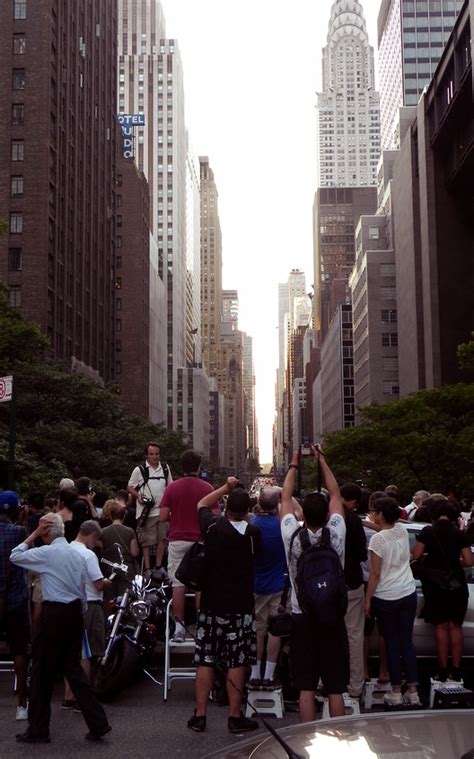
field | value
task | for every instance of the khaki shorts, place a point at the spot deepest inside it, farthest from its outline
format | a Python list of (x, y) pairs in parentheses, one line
[(34, 580), (266, 606), (94, 625), (152, 532), (176, 551)]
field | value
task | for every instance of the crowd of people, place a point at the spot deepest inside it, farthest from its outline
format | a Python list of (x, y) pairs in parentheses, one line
[(324, 570)]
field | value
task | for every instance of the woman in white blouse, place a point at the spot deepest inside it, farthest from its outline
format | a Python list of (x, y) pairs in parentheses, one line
[(391, 594)]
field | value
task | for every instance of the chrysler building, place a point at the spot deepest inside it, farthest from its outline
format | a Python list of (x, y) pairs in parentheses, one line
[(348, 108)]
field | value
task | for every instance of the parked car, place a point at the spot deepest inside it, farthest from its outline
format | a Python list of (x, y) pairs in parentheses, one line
[(447, 734), (423, 636)]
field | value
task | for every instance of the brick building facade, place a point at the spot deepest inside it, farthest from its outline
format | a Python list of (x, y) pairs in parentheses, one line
[(57, 170)]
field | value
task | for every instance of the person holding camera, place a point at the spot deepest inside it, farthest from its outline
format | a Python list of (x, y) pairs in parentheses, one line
[(318, 646), (147, 484), (225, 628)]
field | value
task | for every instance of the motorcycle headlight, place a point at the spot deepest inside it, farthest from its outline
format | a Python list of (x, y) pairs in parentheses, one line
[(140, 610)]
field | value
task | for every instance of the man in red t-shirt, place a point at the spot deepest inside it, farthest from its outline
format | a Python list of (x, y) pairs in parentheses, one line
[(178, 506)]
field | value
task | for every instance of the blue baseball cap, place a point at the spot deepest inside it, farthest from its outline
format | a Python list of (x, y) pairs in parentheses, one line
[(8, 499)]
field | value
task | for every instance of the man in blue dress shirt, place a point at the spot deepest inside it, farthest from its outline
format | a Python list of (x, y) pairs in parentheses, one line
[(58, 637)]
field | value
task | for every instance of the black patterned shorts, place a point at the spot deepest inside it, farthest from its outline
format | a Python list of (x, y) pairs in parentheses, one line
[(230, 638)]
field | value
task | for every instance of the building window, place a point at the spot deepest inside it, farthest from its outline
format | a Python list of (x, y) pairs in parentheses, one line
[(18, 79), (374, 233), (387, 270), (19, 44), (388, 293), (16, 223), (389, 316), (390, 388), (18, 114), (14, 296), (14, 259), (19, 9), (16, 187), (390, 340)]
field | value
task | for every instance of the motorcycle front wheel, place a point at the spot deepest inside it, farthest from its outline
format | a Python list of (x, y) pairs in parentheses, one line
[(120, 670)]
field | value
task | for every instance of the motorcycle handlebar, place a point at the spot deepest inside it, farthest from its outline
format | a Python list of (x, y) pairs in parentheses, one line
[(115, 565)]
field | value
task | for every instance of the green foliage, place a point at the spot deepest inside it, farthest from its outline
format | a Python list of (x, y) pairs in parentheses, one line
[(466, 354), (66, 424), (20, 341), (3, 227), (423, 441)]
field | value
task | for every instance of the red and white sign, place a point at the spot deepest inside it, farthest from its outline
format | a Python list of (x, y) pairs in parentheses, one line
[(6, 385)]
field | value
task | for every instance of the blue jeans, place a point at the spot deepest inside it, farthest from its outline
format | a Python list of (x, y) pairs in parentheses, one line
[(396, 619)]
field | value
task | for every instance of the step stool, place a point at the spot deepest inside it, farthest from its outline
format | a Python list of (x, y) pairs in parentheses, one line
[(265, 702), (351, 706), (437, 685), (374, 693), (455, 696)]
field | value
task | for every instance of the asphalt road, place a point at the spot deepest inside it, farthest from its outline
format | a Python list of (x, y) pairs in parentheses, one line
[(143, 726)]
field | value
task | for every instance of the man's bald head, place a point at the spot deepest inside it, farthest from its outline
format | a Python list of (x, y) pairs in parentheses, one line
[(269, 498)]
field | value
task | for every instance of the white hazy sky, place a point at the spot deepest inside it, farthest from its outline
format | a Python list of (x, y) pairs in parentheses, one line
[(252, 69)]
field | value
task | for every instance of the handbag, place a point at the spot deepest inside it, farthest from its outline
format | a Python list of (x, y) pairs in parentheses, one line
[(192, 567), (280, 625)]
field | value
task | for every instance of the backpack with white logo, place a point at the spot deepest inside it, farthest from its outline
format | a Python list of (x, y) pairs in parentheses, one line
[(320, 583)]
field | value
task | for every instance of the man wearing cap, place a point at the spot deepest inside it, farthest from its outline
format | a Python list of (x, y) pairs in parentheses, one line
[(14, 596), (225, 629)]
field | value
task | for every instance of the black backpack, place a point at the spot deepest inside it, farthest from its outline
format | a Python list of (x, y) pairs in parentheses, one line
[(320, 583)]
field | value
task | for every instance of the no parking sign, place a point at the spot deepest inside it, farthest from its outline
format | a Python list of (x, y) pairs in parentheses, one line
[(6, 386)]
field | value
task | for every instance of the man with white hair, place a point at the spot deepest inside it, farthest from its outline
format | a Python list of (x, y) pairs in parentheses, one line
[(58, 637), (418, 498)]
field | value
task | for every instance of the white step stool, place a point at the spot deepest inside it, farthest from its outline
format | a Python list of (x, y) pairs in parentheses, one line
[(265, 702), (445, 687), (374, 693), (351, 706)]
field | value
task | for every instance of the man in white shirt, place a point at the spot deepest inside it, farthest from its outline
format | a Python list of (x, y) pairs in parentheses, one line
[(57, 638), (94, 623), (418, 498), (147, 485), (315, 652)]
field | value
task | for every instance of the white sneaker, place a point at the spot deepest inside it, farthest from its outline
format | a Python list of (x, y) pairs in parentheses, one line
[(21, 713), (393, 699), (412, 699), (179, 635)]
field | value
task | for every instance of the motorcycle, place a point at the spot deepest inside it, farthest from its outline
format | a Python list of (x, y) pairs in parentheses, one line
[(133, 629)]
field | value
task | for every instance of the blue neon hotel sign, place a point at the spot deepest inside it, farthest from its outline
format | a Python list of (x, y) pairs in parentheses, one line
[(129, 122)]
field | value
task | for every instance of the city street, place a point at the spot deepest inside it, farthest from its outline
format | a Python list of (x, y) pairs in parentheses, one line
[(142, 726)]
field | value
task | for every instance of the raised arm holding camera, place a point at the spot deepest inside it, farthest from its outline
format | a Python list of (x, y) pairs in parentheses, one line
[(315, 556)]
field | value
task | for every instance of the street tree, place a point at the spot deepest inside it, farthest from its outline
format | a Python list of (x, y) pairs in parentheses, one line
[(423, 441)]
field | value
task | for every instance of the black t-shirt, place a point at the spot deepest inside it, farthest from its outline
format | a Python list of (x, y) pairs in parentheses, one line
[(356, 550), (229, 565), (443, 545)]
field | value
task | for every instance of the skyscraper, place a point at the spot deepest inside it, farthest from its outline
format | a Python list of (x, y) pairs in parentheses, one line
[(348, 108), (411, 38), (57, 175), (336, 214), (151, 83), (211, 269)]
